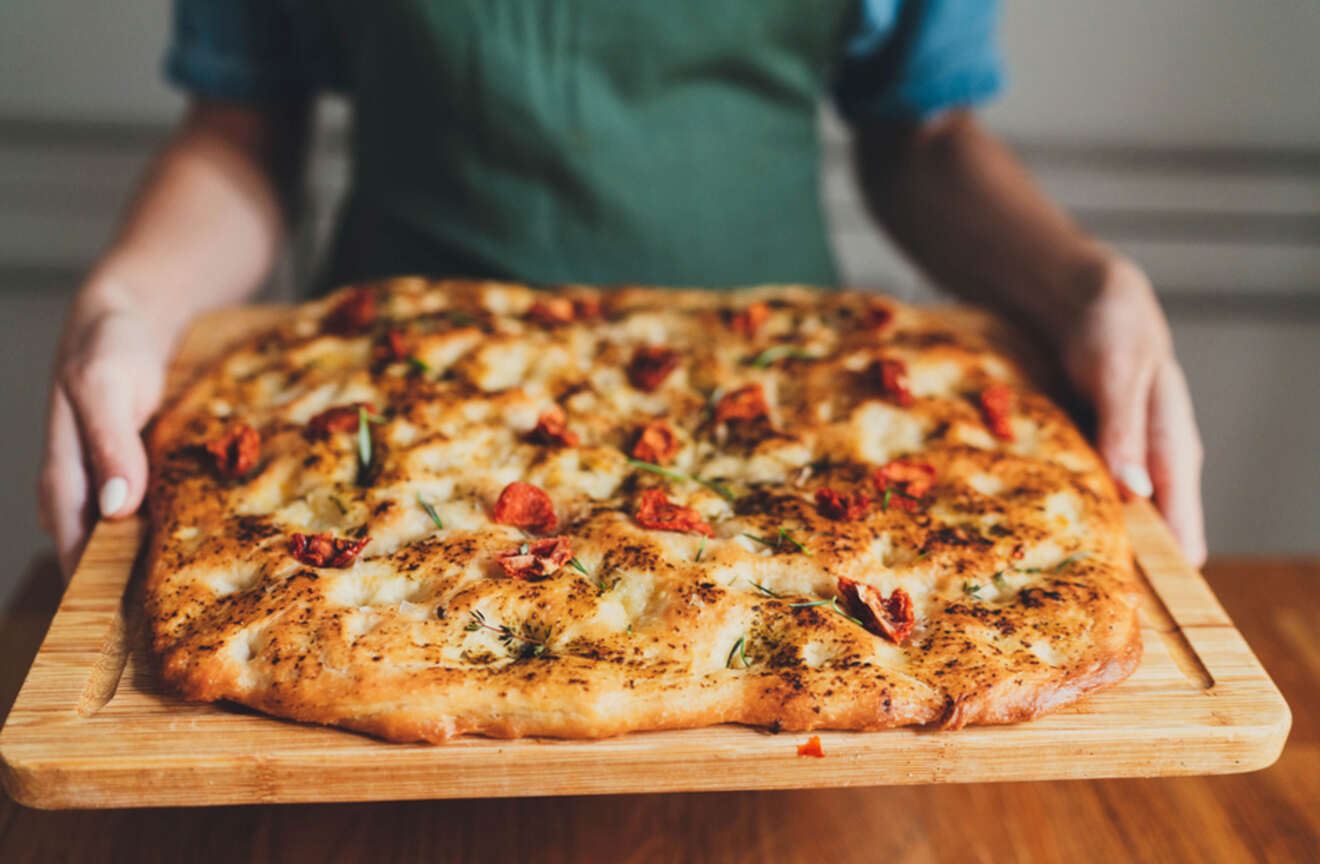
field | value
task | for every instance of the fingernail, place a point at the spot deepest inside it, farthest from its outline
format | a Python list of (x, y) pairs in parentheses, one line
[(1136, 479), (113, 495)]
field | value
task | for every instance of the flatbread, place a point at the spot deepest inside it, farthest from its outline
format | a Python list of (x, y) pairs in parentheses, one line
[(416, 509)]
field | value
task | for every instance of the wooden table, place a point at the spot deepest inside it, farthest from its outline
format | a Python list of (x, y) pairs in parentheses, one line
[(1270, 815)]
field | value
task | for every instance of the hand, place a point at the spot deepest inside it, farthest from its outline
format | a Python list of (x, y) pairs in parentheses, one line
[(109, 377), (1119, 353)]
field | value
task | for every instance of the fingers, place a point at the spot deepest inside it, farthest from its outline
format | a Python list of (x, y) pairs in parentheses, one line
[(1176, 455), (105, 398), (62, 489), (1122, 400)]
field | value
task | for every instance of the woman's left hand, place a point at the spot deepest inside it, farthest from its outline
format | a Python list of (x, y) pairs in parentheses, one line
[(1119, 353)]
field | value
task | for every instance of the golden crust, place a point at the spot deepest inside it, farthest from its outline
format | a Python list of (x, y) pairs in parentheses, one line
[(1016, 561)]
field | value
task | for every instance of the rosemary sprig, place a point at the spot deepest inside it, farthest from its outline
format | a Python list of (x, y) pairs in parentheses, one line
[(430, 511), (919, 557), (971, 589), (364, 437), (418, 363), (779, 352), (701, 548), (833, 603), (578, 566), (738, 648), (718, 488), (1076, 556), (531, 645), (779, 540), (998, 579), (764, 590)]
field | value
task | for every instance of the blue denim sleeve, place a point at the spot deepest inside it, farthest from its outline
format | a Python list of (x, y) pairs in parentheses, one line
[(908, 59), (235, 50)]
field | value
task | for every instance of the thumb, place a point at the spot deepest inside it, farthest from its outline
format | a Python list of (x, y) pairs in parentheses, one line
[(1122, 398), (107, 404)]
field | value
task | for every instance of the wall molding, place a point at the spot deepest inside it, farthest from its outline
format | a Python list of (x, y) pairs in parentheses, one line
[(1223, 231)]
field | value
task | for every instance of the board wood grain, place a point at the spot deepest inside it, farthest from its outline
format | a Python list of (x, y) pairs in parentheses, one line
[(92, 727)]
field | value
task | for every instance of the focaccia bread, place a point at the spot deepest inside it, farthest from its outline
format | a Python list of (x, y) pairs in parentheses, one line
[(423, 509)]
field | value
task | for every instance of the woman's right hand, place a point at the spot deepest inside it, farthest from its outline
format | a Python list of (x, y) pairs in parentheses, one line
[(109, 377)]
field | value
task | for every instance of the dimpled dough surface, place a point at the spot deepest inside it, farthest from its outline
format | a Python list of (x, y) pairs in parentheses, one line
[(1015, 559)]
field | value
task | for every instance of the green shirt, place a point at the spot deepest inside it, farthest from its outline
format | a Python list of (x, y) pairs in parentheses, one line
[(599, 141)]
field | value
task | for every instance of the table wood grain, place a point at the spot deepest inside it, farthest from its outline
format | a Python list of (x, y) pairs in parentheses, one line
[(1270, 815)]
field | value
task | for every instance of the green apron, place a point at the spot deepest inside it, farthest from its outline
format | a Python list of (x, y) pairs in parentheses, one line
[(668, 142)]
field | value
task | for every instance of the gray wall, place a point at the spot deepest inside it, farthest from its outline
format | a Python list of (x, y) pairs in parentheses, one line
[(1186, 132)]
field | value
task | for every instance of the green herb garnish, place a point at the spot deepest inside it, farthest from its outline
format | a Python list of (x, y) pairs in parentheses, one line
[(531, 644), (764, 590), (430, 511), (998, 579), (779, 540), (418, 363), (1077, 556), (779, 352), (971, 590), (701, 548), (718, 488), (364, 437), (833, 603), (578, 566), (739, 649)]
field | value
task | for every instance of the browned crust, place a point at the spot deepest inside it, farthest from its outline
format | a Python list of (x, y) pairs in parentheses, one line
[(274, 637)]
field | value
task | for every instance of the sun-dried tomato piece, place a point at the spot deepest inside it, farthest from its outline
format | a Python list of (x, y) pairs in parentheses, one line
[(552, 429), (391, 348), (650, 366), (325, 550), (877, 316), (842, 507), (532, 561), (588, 308), (657, 443), (997, 406), (910, 480), (811, 748), (525, 506), (658, 512), (745, 403), (236, 452), (355, 312), (892, 617), (551, 311), (341, 418), (890, 374), (749, 320)]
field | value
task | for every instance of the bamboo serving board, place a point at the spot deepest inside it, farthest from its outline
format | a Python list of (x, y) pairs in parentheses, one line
[(92, 727)]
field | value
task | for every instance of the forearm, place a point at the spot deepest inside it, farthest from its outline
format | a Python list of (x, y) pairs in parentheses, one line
[(958, 202), (205, 226)]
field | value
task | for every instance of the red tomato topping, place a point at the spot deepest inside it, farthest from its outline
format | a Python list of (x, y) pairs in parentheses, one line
[(658, 512), (551, 311), (996, 405), (236, 451), (841, 507), (552, 429), (811, 748), (891, 375), (745, 403), (325, 550), (355, 312), (341, 418), (910, 480), (391, 348), (748, 321), (525, 506), (650, 366), (877, 316), (891, 617), (537, 560), (657, 443)]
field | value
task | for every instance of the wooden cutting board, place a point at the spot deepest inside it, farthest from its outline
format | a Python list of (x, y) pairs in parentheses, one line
[(93, 728)]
